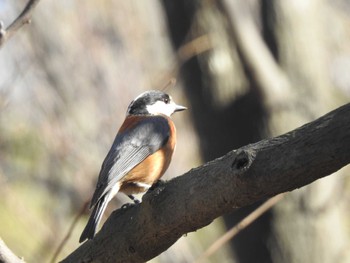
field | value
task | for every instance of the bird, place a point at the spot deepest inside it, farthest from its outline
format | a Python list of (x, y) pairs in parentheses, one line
[(139, 156)]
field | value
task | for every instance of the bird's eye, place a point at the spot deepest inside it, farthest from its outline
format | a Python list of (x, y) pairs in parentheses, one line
[(166, 100)]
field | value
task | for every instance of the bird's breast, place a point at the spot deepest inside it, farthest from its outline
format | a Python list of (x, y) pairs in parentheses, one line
[(152, 168)]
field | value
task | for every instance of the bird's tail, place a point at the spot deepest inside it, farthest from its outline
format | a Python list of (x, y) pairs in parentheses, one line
[(95, 218)]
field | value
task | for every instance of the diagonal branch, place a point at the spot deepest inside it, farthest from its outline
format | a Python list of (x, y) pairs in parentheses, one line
[(7, 256), (21, 20), (241, 177), (245, 222)]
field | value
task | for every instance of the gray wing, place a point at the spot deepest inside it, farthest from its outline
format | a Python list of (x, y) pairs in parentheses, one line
[(128, 150)]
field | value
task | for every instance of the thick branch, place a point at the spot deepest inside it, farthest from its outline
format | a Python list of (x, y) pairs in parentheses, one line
[(22, 19), (239, 178)]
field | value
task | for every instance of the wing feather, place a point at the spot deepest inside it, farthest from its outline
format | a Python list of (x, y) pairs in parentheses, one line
[(128, 150)]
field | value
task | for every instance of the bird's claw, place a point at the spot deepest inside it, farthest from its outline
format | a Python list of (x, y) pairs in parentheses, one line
[(128, 205), (156, 185)]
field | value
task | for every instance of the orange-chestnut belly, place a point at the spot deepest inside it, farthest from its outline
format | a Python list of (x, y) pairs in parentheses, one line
[(148, 171)]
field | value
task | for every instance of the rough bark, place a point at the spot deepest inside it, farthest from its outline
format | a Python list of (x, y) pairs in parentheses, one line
[(241, 177)]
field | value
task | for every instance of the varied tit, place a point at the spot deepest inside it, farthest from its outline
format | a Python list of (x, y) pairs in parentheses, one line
[(140, 154)]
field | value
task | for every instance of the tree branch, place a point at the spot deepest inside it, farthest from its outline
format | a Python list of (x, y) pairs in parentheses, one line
[(7, 256), (241, 177), (255, 53), (22, 19), (245, 222)]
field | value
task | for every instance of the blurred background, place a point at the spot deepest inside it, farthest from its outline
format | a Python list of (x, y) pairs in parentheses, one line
[(247, 70)]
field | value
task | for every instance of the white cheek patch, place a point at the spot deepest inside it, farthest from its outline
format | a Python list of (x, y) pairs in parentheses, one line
[(161, 107)]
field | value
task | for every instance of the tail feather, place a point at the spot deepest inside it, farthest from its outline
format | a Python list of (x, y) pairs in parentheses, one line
[(94, 220)]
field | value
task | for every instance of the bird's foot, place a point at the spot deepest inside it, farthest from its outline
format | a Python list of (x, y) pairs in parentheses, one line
[(156, 185), (127, 205), (134, 199)]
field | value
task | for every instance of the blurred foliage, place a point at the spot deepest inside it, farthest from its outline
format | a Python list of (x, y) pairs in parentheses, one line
[(65, 83)]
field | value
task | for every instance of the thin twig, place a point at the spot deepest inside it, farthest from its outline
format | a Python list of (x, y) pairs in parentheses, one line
[(170, 84), (69, 233), (185, 52), (239, 227), (194, 47), (22, 19), (7, 256)]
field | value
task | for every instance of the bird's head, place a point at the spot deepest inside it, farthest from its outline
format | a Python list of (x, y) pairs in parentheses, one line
[(153, 102)]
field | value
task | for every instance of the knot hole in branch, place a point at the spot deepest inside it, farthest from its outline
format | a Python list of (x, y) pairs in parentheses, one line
[(132, 250), (242, 160)]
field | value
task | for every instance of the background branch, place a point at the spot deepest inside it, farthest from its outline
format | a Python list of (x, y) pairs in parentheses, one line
[(239, 227), (7, 256), (241, 177), (255, 53), (22, 19)]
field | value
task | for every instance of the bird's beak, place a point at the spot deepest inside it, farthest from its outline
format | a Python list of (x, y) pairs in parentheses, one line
[(180, 108)]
